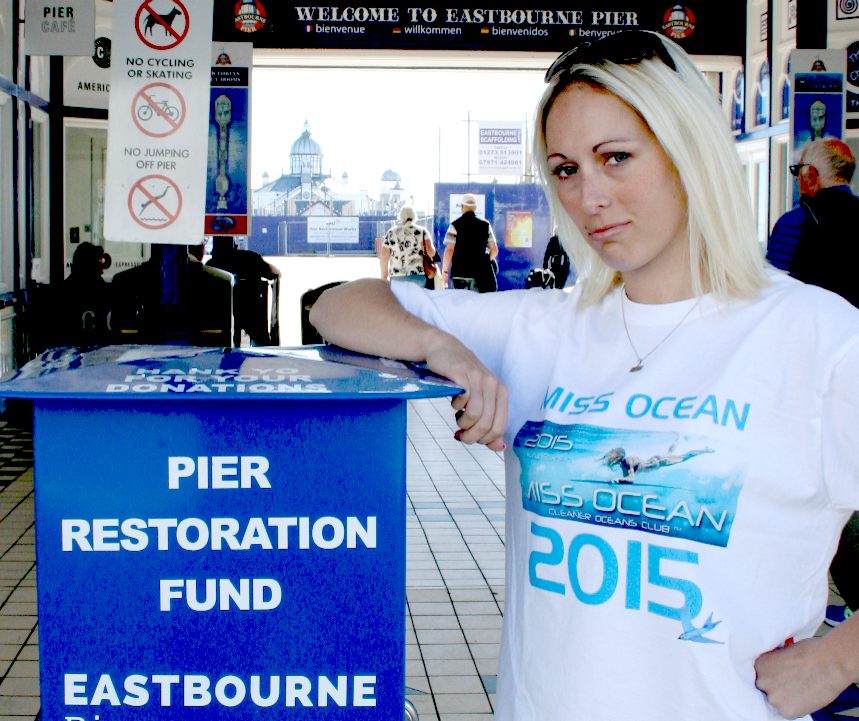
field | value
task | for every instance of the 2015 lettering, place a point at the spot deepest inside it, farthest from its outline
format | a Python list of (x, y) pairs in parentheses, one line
[(611, 559), (546, 441)]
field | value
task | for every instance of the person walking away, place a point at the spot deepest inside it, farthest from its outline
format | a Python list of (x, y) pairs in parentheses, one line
[(556, 260), (469, 249), (85, 299), (403, 249)]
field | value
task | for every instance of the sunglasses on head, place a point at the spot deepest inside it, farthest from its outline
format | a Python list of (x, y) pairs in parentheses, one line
[(627, 47)]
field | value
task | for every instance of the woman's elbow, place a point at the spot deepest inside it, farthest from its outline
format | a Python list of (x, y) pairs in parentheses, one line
[(321, 310), (337, 304)]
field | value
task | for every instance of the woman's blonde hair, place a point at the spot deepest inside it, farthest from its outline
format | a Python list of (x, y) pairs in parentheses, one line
[(406, 214), (684, 114)]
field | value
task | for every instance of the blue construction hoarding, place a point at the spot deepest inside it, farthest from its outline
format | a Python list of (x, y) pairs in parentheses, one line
[(288, 235), (520, 219)]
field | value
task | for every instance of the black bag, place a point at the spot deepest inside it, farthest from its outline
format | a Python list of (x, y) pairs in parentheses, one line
[(559, 266), (540, 278)]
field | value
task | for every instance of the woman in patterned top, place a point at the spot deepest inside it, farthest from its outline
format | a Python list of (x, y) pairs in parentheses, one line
[(403, 249)]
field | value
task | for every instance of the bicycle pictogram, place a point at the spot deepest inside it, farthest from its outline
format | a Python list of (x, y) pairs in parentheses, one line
[(158, 110), (161, 108)]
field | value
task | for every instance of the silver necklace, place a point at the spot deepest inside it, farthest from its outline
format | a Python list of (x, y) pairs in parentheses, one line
[(641, 358)]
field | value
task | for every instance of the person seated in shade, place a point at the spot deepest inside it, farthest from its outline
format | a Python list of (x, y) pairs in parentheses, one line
[(251, 297), (84, 303)]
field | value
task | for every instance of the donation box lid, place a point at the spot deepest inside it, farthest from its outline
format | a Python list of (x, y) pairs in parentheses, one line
[(139, 372)]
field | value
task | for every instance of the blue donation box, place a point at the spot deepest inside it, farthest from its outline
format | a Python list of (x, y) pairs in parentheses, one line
[(220, 534)]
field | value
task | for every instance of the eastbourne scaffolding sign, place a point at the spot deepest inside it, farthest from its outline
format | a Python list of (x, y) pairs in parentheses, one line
[(499, 149)]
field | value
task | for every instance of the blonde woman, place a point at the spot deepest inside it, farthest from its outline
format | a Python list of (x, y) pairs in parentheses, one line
[(404, 247), (694, 592)]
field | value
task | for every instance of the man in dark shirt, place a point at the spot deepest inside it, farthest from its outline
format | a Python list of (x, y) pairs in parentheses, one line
[(827, 253), (785, 234), (469, 249)]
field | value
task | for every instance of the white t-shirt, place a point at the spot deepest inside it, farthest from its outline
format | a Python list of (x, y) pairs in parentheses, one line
[(664, 527)]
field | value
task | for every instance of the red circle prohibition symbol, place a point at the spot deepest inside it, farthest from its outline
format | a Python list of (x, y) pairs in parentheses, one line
[(150, 109), (161, 23), (151, 198)]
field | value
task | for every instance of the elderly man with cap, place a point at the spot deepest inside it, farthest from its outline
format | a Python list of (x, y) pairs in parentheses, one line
[(469, 249)]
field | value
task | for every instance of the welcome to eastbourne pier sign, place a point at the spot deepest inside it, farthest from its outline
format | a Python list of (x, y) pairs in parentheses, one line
[(700, 26)]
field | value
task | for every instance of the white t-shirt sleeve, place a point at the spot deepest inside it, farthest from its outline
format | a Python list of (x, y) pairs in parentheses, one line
[(481, 321), (450, 236), (840, 430)]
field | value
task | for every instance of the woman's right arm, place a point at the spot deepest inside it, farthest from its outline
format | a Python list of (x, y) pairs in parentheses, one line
[(365, 316)]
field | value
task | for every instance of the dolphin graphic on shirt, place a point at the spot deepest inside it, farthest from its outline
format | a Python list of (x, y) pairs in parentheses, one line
[(691, 632)]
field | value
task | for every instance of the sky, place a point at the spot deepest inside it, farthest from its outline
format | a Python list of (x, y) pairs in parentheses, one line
[(367, 121)]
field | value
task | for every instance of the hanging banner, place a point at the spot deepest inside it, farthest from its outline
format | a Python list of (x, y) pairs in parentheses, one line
[(59, 28), (499, 148), (817, 79), (228, 199), (853, 85), (157, 139), (700, 26)]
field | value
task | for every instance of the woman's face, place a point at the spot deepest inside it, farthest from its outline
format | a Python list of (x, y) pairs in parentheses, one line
[(620, 188)]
